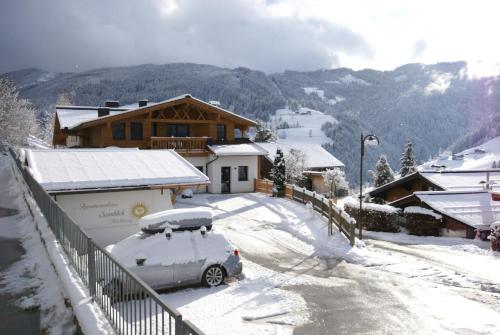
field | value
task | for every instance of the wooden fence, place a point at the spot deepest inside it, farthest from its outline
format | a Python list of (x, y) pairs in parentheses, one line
[(322, 205)]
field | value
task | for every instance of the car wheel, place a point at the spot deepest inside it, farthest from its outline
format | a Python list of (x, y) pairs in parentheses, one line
[(213, 276)]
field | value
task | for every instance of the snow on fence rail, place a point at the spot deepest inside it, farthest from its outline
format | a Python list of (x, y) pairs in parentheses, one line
[(322, 205), (130, 305)]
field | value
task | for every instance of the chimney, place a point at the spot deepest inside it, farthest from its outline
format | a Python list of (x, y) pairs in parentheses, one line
[(112, 104), (102, 111), (143, 103)]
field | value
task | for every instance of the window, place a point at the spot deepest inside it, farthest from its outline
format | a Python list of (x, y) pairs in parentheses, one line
[(221, 132), (242, 173), (136, 130), (177, 130), (119, 131), (155, 129), (200, 168)]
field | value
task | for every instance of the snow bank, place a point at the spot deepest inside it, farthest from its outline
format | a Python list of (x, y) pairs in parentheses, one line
[(421, 210)]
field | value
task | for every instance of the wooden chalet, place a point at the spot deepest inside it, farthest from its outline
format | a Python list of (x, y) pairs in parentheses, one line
[(184, 123), (404, 187)]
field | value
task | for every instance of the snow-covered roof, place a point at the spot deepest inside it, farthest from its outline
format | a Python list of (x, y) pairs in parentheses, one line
[(472, 208), (462, 180), (315, 155), (244, 149), (71, 116), (74, 169)]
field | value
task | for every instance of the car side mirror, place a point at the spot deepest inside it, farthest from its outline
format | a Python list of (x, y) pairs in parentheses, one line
[(168, 233), (203, 230), (140, 261)]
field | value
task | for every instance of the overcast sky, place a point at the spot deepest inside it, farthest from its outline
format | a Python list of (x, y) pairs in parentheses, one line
[(272, 35)]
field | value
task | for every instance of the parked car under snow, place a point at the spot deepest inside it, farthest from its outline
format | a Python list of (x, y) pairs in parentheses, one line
[(171, 259)]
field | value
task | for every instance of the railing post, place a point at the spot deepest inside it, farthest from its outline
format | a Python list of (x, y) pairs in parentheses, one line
[(330, 220), (91, 266), (179, 329), (303, 195)]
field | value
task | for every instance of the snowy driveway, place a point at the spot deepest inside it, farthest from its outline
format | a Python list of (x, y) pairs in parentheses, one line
[(299, 281)]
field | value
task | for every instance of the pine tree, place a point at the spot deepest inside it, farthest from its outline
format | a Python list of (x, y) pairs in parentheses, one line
[(263, 134), (295, 161), (278, 173), (494, 165), (383, 173), (407, 161)]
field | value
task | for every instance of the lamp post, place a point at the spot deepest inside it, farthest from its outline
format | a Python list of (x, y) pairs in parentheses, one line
[(373, 140)]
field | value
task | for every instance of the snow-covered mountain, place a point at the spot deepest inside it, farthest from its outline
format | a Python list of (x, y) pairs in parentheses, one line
[(484, 156), (435, 105)]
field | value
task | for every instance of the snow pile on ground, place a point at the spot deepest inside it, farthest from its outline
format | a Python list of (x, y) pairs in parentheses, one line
[(351, 202), (421, 210), (258, 304), (287, 223)]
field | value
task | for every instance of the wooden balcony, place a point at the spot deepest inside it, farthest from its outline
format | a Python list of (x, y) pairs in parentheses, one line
[(183, 145)]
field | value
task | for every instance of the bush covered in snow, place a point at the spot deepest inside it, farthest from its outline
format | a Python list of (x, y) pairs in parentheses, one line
[(422, 222), (375, 217), (495, 236)]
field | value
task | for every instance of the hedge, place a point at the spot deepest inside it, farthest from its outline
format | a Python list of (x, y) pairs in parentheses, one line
[(375, 217)]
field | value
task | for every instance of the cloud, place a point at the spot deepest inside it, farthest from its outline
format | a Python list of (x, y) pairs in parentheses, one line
[(419, 48), (61, 35)]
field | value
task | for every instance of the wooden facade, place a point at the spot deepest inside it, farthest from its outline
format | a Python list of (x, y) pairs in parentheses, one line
[(404, 187), (185, 124)]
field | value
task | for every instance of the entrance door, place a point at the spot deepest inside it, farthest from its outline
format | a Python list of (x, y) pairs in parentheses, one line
[(225, 178)]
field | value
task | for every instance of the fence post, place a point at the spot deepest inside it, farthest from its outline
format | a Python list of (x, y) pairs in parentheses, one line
[(330, 221), (303, 195), (91, 267), (352, 234), (340, 219)]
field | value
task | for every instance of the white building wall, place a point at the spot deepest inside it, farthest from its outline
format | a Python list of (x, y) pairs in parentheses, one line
[(200, 161), (108, 217), (214, 173)]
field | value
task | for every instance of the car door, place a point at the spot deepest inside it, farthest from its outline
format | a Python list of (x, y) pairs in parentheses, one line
[(189, 271)]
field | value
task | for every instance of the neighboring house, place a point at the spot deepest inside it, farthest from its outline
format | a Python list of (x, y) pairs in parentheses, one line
[(462, 180), (106, 191), (464, 198), (196, 130), (316, 161), (463, 211)]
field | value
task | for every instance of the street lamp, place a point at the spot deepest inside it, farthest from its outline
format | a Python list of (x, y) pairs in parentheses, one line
[(372, 140)]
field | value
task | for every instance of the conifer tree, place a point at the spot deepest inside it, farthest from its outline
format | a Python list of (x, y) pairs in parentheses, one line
[(263, 134), (278, 173), (407, 160), (494, 165), (383, 173)]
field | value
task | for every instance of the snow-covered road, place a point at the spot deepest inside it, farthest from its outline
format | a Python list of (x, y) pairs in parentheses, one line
[(299, 280)]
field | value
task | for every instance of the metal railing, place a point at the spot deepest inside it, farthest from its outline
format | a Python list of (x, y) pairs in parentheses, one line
[(130, 305), (322, 205)]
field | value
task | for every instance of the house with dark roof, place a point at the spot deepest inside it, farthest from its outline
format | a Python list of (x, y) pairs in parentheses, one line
[(466, 199)]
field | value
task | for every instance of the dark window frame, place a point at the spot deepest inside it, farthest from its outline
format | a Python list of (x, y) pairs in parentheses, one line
[(177, 130), (221, 127), (132, 131), (118, 134), (244, 169)]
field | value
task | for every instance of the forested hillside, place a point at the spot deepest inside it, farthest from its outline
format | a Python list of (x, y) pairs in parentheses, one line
[(436, 106)]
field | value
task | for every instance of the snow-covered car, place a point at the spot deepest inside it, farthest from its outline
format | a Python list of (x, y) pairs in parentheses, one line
[(171, 259), (177, 219)]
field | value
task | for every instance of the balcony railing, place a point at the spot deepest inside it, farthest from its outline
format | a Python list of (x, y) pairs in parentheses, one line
[(180, 144)]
